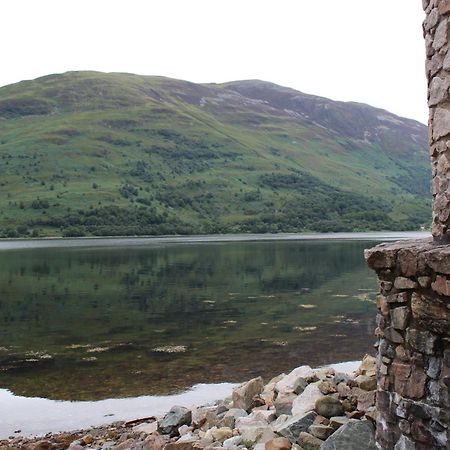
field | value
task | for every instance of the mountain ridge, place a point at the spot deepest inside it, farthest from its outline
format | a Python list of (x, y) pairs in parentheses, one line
[(178, 157)]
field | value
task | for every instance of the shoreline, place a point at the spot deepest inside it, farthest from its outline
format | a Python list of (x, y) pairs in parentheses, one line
[(105, 241), (304, 407), (66, 416)]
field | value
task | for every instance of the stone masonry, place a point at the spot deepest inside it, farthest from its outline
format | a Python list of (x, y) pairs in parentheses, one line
[(413, 361)]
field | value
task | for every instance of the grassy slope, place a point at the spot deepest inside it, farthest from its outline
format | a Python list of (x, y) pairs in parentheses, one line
[(149, 155)]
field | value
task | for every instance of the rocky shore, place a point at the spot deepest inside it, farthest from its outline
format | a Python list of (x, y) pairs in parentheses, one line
[(303, 410)]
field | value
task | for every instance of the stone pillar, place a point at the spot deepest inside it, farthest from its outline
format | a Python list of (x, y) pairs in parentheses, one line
[(436, 33), (413, 361)]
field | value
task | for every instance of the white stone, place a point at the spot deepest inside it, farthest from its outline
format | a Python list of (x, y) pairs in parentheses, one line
[(306, 400), (287, 383), (147, 428)]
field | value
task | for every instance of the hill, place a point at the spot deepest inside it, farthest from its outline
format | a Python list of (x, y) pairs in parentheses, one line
[(88, 153)]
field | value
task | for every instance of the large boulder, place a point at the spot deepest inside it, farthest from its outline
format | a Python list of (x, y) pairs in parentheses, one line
[(177, 416), (244, 395), (357, 435)]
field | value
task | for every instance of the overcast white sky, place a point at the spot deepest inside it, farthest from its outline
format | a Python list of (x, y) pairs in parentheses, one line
[(359, 50)]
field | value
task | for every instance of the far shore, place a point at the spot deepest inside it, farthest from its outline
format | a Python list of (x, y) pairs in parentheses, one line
[(109, 241)]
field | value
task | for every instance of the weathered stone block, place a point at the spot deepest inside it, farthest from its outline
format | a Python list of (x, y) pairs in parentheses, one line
[(441, 123), (423, 341), (431, 312), (401, 297), (400, 317), (443, 7), (441, 285), (393, 335), (441, 35), (405, 283)]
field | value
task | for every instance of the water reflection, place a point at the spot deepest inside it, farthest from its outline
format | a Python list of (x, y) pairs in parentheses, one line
[(85, 323)]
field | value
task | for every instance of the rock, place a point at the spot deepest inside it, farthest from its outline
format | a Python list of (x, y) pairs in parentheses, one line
[(230, 417), (306, 401), (328, 407), (244, 395), (256, 434), (341, 378), (177, 416), (393, 335), (88, 439), (280, 443), (126, 445), (338, 421), (366, 400), (264, 415), (222, 434), (366, 383), (405, 283), (155, 442), (441, 123), (309, 441), (424, 341), (368, 366), (294, 426), (233, 441), (321, 431), (343, 390), (400, 317), (327, 387), (184, 429), (249, 421), (147, 428), (290, 382), (405, 443), (178, 446), (358, 435), (283, 403), (204, 417)]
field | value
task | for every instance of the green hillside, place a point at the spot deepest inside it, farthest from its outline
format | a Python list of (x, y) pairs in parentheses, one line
[(88, 153)]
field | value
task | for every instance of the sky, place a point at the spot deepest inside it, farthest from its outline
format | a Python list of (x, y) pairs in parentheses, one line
[(350, 50)]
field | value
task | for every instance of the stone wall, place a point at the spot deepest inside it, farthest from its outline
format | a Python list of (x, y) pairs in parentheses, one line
[(436, 33), (413, 363)]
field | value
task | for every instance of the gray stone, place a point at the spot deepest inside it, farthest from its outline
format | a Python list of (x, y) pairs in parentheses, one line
[(321, 431), (309, 441), (329, 407), (177, 416), (358, 435), (434, 367), (431, 20), (243, 395), (229, 419), (293, 427), (423, 341), (283, 403), (441, 35), (438, 91), (441, 123), (403, 282), (400, 317), (393, 335), (337, 422), (405, 443)]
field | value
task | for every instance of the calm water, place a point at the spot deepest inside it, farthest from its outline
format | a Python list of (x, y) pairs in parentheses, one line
[(123, 319)]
